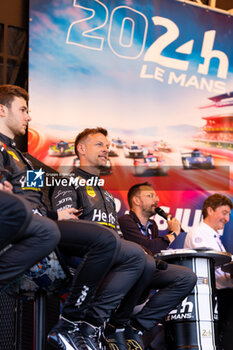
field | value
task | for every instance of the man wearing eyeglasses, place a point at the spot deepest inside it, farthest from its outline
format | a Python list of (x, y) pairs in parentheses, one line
[(137, 225), (174, 283)]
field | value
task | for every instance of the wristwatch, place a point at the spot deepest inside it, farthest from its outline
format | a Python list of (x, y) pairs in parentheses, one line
[(173, 234)]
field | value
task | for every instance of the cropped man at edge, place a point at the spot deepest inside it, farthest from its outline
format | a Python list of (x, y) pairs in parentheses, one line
[(24, 240), (91, 146), (97, 245), (216, 213)]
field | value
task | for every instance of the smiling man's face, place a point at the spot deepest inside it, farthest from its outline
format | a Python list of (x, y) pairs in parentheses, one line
[(95, 150), (219, 217)]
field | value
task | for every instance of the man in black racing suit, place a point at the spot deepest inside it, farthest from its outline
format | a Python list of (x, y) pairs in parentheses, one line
[(100, 247), (98, 205)]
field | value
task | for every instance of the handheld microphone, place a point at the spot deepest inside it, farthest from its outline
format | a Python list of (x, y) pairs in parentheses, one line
[(164, 215)]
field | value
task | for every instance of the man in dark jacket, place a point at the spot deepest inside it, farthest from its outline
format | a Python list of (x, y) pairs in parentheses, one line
[(137, 226)]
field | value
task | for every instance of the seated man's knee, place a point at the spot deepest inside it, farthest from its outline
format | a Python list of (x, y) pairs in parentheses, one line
[(148, 271), (54, 232), (107, 238), (149, 264), (137, 253), (189, 277), (46, 229)]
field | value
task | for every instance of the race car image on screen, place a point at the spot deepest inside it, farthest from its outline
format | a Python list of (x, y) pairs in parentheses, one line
[(119, 143), (162, 146), (150, 165), (135, 151), (197, 160), (112, 152), (61, 149)]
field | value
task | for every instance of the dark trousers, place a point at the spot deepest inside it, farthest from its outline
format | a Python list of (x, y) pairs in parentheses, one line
[(125, 272), (109, 264), (173, 285), (14, 217), (30, 237), (225, 312)]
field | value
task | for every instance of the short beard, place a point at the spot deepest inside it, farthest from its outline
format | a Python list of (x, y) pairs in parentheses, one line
[(149, 213)]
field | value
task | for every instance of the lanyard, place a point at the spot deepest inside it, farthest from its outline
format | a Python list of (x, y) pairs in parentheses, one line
[(145, 230)]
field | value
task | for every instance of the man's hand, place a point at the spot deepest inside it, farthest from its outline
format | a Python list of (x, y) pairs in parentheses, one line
[(174, 225), (67, 214), (6, 186)]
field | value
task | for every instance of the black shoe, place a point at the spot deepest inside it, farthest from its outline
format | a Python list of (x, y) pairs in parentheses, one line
[(91, 335), (133, 338), (114, 338), (66, 336)]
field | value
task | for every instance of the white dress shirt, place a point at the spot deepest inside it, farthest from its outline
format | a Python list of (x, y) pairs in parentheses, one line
[(203, 236)]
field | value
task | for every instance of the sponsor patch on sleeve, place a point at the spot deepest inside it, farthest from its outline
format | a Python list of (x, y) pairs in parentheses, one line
[(198, 240)]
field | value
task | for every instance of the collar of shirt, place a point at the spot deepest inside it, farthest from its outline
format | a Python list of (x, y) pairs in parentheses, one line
[(84, 174), (215, 235), (145, 230), (7, 140)]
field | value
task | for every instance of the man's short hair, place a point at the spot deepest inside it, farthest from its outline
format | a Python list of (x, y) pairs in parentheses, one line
[(86, 132), (135, 190), (9, 92), (214, 201)]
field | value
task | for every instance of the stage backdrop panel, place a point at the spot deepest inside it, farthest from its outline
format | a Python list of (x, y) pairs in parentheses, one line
[(157, 74)]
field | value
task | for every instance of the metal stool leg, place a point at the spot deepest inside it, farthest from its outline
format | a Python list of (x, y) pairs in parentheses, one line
[(39, 321)]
